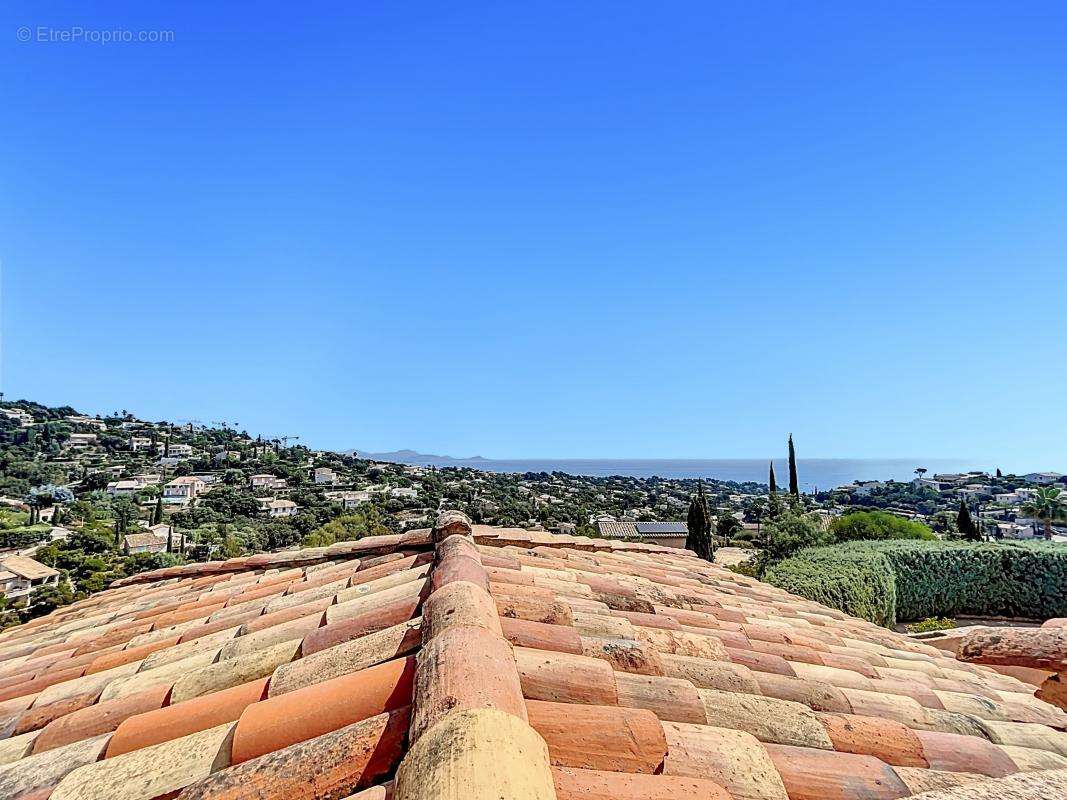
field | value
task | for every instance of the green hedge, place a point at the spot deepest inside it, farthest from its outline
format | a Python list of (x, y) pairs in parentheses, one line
[(859, 583), (912, 580)]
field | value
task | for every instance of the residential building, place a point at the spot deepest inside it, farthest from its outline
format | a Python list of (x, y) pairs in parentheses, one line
[(92, 422), (18, 415), (1043, 478), (668, 534), (183, 489), (267, 482), (81, 440), (175, 450), (349, 500), (126, 487), (20, 575), (153, 540), (279, 508), (325, 475), (224, 456), (140, 443)]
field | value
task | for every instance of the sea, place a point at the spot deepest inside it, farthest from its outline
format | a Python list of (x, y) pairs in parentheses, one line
[(814, 474)]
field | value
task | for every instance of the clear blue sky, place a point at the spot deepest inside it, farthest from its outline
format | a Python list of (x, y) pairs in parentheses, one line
[(548, 229)]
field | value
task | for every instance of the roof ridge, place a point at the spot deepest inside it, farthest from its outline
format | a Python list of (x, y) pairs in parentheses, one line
[(416, 539), (469, 727)]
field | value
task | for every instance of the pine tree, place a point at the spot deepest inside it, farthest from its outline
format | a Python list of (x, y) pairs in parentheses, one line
[(698, 522), (773, 484), (794, 485)]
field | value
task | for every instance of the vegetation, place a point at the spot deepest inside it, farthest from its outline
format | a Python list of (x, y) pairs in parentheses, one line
[(931, 624), (1047, 506), (874, 525), (794, 484), (965, 525), (931, 579), (698, 522), (861, 583)]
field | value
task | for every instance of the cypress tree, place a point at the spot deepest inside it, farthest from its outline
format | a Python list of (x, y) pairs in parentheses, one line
[(999, 473), (773, 484), (698, 522), (968, 530), (794, 485), (157, 515)]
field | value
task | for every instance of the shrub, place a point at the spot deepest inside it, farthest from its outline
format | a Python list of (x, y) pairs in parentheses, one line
[(859, 583), (931, 579), (931, 624), (873, 525), (788, 534)]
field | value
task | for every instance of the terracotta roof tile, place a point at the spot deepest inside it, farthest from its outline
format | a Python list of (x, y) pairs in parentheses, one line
[(534, 666)]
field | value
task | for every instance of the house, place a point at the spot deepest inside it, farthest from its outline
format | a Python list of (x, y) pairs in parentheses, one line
[(1015, 530), (127, 487), (175, 450), (1042, 478), (183, 489), (864, 488), (18, 415), (974, 491), (153, 540), (401, 491), (325, 475), (20, 575), (349, 500), (267, 482), (92, 422), (668, 534), (224, 456), (140, 443), (81, 440), (279, 508)]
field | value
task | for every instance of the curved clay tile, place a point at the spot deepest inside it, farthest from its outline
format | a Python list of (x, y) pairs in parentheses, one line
[(172, 722), (129, 655), (600, 737), (322, 707), (334, 633), (327, 766), (99, 718), (588, 784)]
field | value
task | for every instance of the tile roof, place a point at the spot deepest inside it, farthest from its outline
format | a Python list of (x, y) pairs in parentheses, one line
[(26, 567), (495, 663)]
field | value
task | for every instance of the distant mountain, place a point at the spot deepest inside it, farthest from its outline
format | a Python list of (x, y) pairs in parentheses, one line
[(414, 457)]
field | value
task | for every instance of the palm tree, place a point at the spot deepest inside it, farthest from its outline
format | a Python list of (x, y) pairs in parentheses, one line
[(1048, 505)]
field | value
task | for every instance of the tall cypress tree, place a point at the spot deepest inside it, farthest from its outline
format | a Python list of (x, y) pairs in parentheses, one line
[(771, 482), (968, 530), (794, 485), (157, 515), (698, 522)]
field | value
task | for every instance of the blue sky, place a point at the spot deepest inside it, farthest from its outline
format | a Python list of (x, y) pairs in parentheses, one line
[(548, 229)]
